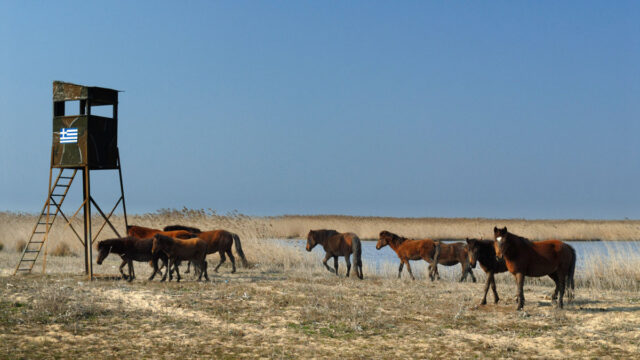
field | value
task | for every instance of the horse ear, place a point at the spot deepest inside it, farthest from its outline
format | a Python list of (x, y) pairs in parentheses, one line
[(467, 240), (505, 229), (495, 229)]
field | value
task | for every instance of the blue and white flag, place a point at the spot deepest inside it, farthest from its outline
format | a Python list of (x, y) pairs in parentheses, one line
[(68, 135)]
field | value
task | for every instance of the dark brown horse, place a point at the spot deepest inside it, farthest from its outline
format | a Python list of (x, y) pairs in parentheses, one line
[(219, 241), (451, 254), (536, 258), (131, 249), (408, 249), (483, 252), (178, 250), (337, 244)]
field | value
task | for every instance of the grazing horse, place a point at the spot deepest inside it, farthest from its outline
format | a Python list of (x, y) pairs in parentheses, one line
[(451, 254), (177, 250), (337, 244), (131, 249), (483, 252), (536, 258), (219, 241), (408, 249)]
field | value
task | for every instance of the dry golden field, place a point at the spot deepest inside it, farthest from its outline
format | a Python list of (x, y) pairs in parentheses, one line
[(287, 306)]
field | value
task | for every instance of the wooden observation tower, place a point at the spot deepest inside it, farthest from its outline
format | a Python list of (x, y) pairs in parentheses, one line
[(81, 142)]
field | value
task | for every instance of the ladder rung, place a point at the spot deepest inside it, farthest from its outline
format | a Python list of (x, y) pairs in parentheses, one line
[(57, 194), (28, 260), (63, 185), (32, 251), (35, 242), (39, 232), (66, 177), (28, 269), (44, 223)]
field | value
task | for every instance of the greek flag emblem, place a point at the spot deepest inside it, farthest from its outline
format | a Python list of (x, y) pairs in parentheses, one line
[(68, 135)]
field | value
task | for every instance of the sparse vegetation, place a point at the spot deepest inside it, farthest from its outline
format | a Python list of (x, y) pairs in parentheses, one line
[(286, 305), (62, 249)]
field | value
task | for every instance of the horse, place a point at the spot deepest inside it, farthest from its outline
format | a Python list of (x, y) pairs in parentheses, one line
[(407, 249), (145, 232), (451, 254), (537, 258), (337, 244), (177, 250), (131, 249), (218, 241), (483, 252), (221, 241)]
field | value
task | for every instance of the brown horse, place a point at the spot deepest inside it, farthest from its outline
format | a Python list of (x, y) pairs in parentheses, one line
[(337, 244), (483, 252), (131, 249), (526, 258), (177, 250), (407, 249), (451, 254), (219, 241)]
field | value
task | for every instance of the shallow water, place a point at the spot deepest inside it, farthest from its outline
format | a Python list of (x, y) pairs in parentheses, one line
[(386, 258)]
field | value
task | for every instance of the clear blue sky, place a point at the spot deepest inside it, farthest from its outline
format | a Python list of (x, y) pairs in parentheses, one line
[(452, 109)]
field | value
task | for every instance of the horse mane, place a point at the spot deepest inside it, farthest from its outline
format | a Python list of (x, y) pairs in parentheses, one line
[(397, 239), (323, 234), (520, 238), (116, 243), (182, 227)]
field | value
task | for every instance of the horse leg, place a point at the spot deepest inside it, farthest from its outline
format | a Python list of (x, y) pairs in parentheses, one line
[(493, 287), (131, 273), (520, 284), (206, 276), (166, 267), (335, 264), (400, 268), (554, 297), (124, 262), (464, 272), (324, 261), (409, 270), (177, 268), (347, 259), (222, 260), (233, 261), (473, 278), (436, 274), (486, 288), (561, 285), (189, 267), (154, 262)]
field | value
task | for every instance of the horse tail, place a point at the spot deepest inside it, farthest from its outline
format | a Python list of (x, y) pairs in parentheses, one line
[(356, 248), (570, 283), (236, 239)]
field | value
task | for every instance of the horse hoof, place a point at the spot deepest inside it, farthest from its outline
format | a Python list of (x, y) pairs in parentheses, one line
[(483, 302)]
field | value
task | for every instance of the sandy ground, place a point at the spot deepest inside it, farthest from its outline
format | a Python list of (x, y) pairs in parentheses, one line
[(264, 312)]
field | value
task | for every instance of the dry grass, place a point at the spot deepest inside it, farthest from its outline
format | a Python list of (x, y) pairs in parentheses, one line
[(286, 305), (265, 312)]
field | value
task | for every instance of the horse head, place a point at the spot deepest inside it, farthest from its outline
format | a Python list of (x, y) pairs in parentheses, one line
[(472, 251), (387, 238), (160, 242), (104, 249), (500, 236), (311, 240)]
